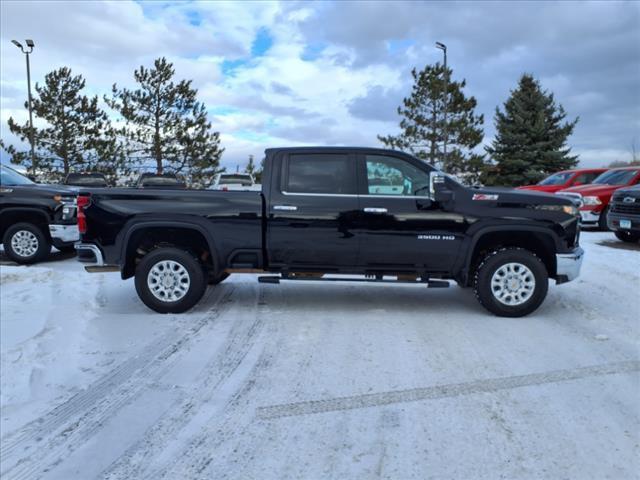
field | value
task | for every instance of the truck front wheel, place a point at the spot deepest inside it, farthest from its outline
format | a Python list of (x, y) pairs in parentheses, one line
[(170, 280), (511, 282), (26, 243)]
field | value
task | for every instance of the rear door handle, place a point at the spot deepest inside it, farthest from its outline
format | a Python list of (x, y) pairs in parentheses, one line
[(375, 210), (285, 208)]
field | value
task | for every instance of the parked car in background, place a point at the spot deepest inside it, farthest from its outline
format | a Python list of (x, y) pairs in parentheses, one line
[(624, 214), (321, 211), (33, 217), (86, 180), (165, 180), (565, 179), (234, 181), (595, 198)]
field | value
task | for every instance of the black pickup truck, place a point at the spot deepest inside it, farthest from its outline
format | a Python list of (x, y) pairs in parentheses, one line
[(33, 217), (328, 212)]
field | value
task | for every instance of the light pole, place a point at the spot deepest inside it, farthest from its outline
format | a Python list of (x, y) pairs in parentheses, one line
[(443, 47), (30, 45)]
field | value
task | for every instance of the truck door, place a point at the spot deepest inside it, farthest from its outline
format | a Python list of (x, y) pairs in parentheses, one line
[(311, 211), (400, 227)]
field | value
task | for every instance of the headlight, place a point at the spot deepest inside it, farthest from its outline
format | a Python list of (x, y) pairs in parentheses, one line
[(570, 210), (591, 200)]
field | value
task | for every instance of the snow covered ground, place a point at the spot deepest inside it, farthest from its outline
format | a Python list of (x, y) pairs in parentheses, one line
[(320, 380)]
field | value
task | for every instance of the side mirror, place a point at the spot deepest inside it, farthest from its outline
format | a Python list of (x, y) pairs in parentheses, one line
[(438, 189)]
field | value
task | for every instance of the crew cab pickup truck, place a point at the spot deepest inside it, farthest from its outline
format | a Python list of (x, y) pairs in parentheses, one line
[(624, 214), (327, 214), (33, 217), (565, 179), (594, 198)]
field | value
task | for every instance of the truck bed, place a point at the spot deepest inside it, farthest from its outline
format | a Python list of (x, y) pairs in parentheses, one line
[(233, 218)]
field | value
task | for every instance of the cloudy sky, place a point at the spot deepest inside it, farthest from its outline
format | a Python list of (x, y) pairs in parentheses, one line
[(333, 73)]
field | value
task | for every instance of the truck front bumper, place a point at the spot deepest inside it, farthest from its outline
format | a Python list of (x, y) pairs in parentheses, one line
[(568, 265), (589, 217), (64, 233)]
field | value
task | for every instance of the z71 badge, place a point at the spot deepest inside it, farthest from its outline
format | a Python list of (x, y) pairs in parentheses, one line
[(484, 196)]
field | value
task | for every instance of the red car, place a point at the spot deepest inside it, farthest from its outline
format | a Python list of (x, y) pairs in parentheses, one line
[(565, 179), (595, 197)]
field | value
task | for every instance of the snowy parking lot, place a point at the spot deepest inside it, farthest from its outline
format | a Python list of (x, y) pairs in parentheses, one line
[(310, 380)]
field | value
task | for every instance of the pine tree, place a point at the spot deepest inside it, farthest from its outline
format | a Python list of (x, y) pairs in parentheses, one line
[(531, 138), (166, 125), (251, 166), (77, 135), (423, 124)]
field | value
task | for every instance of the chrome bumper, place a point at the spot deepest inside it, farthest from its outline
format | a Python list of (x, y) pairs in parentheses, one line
[(568, 265), (64, 233), (589, 216), (93, 249)]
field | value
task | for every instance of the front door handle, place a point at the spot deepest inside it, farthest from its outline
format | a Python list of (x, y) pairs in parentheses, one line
[(285, 208), (375, 210)]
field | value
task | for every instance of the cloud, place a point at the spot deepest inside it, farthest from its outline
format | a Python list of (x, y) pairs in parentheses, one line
[(326, 73)]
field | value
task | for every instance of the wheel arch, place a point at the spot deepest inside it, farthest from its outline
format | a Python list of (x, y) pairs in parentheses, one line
[(12, 215), (538, 240), (177, 233)]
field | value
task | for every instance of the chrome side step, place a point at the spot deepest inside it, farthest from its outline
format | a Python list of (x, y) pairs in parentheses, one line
[(274, 279)]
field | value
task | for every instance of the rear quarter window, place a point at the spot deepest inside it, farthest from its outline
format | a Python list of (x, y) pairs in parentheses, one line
[(320, 173)]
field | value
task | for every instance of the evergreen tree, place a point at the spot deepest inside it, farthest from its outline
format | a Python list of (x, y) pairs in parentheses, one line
[(77, 135), (423, 125), (531, 137), (251, 167), (166, 125)]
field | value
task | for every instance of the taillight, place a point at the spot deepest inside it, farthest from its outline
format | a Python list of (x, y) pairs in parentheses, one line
[(84, 201)]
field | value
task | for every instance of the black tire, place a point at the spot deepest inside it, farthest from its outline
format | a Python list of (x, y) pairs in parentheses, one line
[(41, 245), (216, 279), (194, 270), (484, 290), (602, 221), (627, 236)]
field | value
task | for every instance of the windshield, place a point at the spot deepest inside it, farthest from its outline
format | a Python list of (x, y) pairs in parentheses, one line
[(9, 176), (556, 179), (616, 177), (244, 180)]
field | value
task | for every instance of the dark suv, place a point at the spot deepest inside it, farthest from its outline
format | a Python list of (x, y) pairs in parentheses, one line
[(33, 217), (624, 214)]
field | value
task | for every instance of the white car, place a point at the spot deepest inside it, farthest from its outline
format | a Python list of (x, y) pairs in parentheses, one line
[(235, 181)]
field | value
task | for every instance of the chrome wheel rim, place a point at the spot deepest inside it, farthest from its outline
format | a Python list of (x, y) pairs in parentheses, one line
[(513, 284), (24, 243), (168, 281)]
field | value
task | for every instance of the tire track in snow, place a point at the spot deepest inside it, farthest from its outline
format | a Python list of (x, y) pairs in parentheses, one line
[(28, 451), (442, 391), (217, 371)]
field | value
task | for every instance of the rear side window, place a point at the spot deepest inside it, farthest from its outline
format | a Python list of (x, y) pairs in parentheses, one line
[(585, 178), (321, 173)]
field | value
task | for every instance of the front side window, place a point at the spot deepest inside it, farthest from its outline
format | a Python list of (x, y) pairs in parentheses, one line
[(321, 173), (556, 179), (394, 176)]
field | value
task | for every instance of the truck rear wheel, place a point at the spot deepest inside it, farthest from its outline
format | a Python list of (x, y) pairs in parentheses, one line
[(25, 243), (511, 282), (170, 280)]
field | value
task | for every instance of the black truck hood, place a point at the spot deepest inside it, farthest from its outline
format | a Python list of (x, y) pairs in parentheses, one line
[(510, 195), (45, 190)]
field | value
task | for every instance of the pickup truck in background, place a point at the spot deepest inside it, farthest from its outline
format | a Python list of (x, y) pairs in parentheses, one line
[(329, 212), (34, 217), (93, 179), (565, 179), (624, 214), (594, 198)]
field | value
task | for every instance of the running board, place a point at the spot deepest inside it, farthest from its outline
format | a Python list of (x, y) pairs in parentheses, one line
[(277, 279)]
